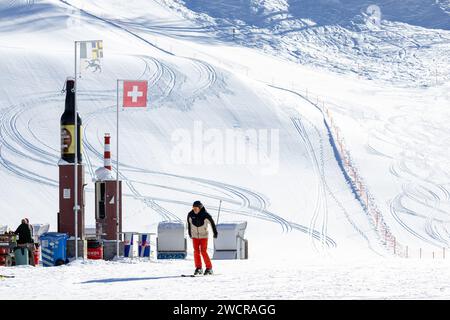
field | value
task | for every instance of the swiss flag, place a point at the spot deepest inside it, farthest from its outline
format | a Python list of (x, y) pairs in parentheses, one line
[(135, 93)]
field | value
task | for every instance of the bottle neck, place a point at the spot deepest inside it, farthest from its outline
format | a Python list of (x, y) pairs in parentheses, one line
[(70, 96), (70, 102)]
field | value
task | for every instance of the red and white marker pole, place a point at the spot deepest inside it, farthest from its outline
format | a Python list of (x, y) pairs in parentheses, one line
[(107, 153)]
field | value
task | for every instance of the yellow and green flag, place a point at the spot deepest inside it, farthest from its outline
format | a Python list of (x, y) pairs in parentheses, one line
[(91, 56)]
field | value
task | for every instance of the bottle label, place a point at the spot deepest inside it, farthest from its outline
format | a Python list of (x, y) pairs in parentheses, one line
[(68, 139)]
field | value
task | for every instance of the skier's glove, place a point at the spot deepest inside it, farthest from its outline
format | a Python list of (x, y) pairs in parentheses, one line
[(215, 236)]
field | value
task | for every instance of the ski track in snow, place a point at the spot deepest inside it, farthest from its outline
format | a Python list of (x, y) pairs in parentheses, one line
[(204, 69), (302, 133), (416, 188), (321, 208), (422, 197), (12, 140)]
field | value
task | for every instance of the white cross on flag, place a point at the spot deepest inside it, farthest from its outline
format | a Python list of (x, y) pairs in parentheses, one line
[(135, 94)]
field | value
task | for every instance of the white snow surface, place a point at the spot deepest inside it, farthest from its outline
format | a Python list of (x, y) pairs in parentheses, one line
[(387, 87), (307, 279)]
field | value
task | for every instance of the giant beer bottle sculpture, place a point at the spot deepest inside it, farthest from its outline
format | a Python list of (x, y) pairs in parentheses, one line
[(66, 216), (68, 127)]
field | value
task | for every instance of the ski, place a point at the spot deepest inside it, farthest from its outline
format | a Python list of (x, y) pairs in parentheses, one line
[(197, 275), (6, 277)]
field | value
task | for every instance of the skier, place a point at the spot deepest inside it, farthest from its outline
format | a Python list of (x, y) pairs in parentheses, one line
[(198, 220)]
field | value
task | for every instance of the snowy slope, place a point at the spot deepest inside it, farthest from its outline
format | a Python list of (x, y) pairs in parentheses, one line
[(395, 41), (185, 92), (321, 279), (299, 205)]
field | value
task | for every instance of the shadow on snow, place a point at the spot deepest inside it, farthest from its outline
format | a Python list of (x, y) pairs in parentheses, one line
[(112, 280)]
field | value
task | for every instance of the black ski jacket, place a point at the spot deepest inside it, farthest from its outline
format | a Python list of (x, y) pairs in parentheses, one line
[(198, 224), (24, 233)]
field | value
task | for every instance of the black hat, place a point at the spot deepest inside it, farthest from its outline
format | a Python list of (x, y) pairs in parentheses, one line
[(197, 204)]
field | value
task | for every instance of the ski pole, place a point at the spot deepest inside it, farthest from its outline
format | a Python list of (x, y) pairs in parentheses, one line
[(218, 214)]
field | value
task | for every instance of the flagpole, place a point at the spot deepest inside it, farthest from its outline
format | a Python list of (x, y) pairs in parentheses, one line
[(75, 208), (117, 171)]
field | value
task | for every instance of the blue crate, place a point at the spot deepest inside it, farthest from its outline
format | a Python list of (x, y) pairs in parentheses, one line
[(53, 248)]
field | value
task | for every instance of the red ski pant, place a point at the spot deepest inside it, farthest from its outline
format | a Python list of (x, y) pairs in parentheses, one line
[(200, 247)]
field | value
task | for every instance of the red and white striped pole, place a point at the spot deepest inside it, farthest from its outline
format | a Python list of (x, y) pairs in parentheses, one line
[(107, 153)]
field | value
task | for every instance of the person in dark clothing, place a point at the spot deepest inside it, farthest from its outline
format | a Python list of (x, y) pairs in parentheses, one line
[(24, 233), (26, 239), (198, 220)]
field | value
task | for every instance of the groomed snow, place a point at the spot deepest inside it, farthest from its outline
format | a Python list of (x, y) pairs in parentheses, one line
[(282, 279)]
